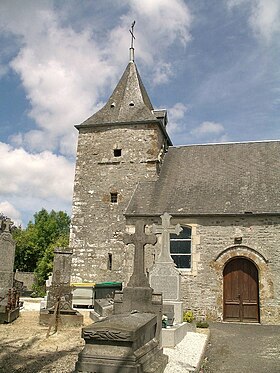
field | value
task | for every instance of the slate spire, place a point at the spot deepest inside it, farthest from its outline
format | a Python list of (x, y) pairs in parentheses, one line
[(129, 102)]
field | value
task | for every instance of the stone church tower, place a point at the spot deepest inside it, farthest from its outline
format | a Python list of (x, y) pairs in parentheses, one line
[(119, 146)]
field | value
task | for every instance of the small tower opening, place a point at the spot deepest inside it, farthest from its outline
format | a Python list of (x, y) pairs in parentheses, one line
[(131, 103), (110, 261), (117, 152), (114, 197)]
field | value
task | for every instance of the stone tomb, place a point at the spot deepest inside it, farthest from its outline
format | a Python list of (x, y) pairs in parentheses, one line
[(166, 279), (60, 292), (9, 295), (129, 340), (103, 307)]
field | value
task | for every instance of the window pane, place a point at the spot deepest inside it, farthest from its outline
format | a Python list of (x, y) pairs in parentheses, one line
[(176, 247), (182, 261), (180, 247)]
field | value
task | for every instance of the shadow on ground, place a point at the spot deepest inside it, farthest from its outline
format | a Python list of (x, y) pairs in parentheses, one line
[(18, 356)]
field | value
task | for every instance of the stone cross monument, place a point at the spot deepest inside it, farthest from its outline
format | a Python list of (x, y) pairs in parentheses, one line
[(130, 339), (164, 276), (165, 229), (139, 239)]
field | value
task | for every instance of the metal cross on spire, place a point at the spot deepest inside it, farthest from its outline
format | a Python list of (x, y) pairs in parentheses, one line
[(132, 41)]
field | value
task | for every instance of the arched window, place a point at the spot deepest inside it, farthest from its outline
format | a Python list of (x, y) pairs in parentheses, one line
[(180, 248)]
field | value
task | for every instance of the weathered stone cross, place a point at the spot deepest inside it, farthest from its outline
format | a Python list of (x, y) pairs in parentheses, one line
[(165, 229), (139, 239), (7, 225)]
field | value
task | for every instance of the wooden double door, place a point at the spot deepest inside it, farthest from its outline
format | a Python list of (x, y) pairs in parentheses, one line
[(241, 291)]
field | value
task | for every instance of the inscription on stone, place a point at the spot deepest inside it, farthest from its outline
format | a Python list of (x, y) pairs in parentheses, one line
[(167, 288)]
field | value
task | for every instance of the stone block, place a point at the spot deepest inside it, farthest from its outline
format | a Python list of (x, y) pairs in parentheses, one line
[(173, 335), (122, 343), (65, 319), (9, 316)]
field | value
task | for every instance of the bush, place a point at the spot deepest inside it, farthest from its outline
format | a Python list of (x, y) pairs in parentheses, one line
[(202, 324), (188, 316)]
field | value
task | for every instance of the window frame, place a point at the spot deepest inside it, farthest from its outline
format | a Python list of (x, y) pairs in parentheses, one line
[(175, 238)]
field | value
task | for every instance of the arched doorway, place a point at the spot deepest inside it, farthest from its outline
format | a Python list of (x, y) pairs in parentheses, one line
[(241, 291)]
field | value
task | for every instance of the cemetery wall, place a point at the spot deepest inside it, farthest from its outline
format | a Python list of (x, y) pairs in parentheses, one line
[(27, 278), (98, 224), (213, 244)]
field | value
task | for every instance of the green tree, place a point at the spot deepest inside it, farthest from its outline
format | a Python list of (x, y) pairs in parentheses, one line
[(35, 244), (45, 264)]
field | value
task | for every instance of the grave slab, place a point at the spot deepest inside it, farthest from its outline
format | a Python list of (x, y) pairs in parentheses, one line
[(122, 343)]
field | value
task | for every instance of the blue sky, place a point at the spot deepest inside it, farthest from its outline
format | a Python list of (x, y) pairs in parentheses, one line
[(214, 65)]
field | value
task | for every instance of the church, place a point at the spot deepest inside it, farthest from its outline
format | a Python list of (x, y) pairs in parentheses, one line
[(224, 196)]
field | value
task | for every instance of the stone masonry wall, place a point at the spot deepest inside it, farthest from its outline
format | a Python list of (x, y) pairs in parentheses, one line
[(97, 224), (213, 244)]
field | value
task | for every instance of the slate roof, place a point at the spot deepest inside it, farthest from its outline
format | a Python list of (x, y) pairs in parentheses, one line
[(128, 103), (232, 178)]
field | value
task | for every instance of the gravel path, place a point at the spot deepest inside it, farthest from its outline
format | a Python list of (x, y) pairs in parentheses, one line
[(186, 356), (24, 347)]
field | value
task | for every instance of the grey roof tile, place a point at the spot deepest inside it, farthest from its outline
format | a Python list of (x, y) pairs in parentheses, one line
[(233, 178)]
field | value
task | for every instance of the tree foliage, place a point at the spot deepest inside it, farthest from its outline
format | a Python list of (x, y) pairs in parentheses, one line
[(35, 244)]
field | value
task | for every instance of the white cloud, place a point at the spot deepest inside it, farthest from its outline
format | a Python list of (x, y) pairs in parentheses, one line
[(11, 212), (175, 115), (210, 132), (264, 16), (67, 74), (163, 71), (65, 71), (206, 128), (42, 175)]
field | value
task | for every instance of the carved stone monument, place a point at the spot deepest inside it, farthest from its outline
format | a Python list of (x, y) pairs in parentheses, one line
[(129, 340), (9, 295), (60, 292), (164, 276), (166, 279)]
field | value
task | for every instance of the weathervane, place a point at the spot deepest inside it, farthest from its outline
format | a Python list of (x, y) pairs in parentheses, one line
[(132, 42)]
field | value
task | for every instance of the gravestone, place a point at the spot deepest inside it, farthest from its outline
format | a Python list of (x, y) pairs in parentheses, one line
[(9, 295), (164, 276), (60, 292), (166, 279), (129, 340)]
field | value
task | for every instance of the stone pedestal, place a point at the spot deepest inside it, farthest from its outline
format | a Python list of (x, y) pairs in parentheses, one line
[(7, 316), (177, 307), (60, 292), (142, 300), (66, 318), (102, 308), (123, 343)]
